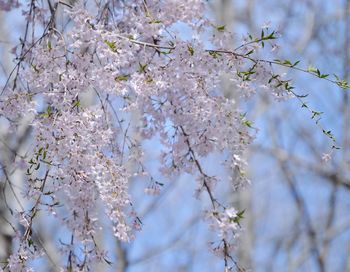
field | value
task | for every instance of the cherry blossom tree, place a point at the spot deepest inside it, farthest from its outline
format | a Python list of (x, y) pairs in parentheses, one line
[(93, 82)]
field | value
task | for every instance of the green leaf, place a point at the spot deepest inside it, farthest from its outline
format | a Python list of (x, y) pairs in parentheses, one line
[(287, 62), (49, 45), (328, 134), (221, 28), (30, 242), (248, 123), (301, 95), (316, 113), (112, 46), (149, 79), (35, 68), (165, 52), (122, 78), (214, 54), (314, 70), (142, 68), (250, 52), (76, 104), (47, 113), (239, 216), (155, 22), (271, 36), (273, 77), (343, 84), (190, 50), (296, 63)]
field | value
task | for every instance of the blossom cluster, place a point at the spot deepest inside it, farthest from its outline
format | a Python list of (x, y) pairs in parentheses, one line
[(7, 5), (137, 61)]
